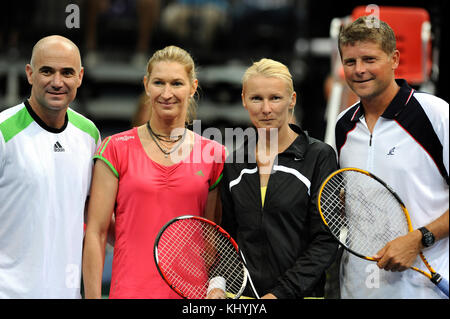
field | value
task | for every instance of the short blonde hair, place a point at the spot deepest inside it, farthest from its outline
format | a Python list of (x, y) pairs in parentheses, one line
[(371, 29), (270, 68), (176, 54)]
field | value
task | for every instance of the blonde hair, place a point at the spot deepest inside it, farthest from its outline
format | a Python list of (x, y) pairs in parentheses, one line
[(175, 54), (270, 68), (368, 28)]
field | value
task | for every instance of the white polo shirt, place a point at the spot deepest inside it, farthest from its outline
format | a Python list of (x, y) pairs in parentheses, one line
[(409, 150), (45, 177)]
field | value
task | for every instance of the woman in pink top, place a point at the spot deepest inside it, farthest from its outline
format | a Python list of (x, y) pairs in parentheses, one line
[(146, 176)]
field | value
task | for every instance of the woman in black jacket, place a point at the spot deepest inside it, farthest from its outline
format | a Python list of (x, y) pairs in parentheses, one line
[(269, 191)]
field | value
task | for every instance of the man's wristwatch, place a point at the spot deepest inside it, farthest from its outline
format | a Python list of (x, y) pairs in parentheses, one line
[(427, 237)]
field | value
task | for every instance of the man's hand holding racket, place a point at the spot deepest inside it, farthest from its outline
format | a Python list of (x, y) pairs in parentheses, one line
[(400, 254), (370, 220)]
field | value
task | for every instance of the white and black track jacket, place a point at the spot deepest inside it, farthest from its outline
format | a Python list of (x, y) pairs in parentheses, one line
[(285, 244)]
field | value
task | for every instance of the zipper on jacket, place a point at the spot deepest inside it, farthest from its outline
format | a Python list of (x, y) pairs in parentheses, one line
[(370, 140)]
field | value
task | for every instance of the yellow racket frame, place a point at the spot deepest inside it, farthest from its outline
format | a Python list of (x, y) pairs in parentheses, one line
[(405, 211)]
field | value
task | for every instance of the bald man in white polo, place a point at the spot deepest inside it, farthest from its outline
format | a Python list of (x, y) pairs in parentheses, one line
[(46, 151)]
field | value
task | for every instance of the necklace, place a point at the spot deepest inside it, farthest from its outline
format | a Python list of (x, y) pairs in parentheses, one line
[(156, 137), (165, 138)]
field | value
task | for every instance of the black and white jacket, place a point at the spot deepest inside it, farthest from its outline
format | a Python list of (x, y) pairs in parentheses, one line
[(285, 244)]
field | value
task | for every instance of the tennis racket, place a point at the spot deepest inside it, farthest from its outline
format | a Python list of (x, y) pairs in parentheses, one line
[(363, 213), (191, 252)]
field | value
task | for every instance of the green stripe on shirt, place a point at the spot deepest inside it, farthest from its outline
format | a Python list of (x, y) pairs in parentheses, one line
[(99, 155), (83, 124), (111, 166), (216, 183), (103, 147), (15, 124)]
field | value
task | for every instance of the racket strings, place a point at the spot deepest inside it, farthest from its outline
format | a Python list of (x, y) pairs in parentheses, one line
[(362, 213), (191, 252)]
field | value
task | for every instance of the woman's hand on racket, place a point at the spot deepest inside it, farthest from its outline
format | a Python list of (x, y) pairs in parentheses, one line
[(400, 253), (269, 296), (216, 293)]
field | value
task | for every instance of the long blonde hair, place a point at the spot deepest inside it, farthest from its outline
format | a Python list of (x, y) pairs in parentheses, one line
[(176, 54)]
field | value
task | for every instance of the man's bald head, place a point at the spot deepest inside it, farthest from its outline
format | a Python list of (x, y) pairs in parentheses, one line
[(55, 74), (47, 43)]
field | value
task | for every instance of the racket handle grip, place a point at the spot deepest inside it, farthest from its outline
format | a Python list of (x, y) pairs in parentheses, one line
[(440, 282), (443, 286)]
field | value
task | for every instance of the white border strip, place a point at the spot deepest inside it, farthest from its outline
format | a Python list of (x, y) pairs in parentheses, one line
[(294, 172), (244, 171)]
